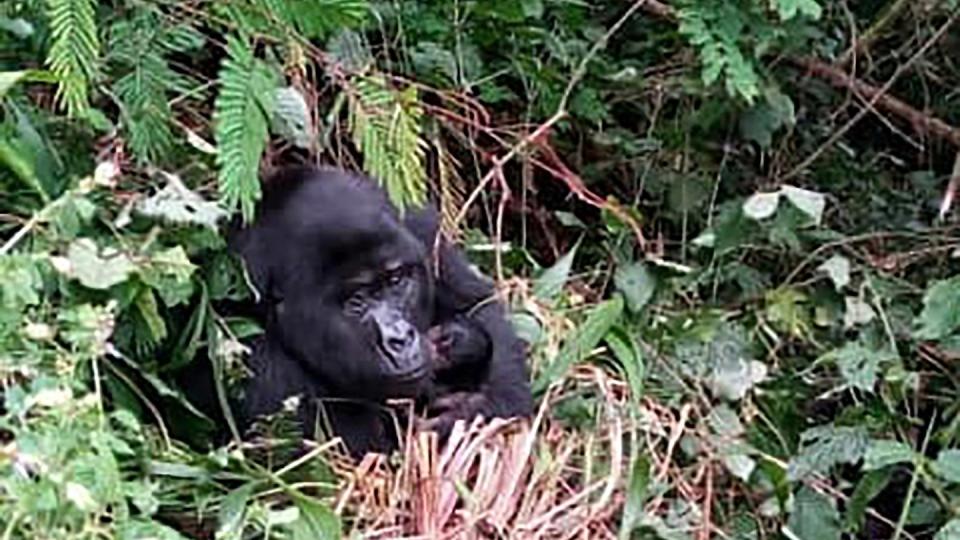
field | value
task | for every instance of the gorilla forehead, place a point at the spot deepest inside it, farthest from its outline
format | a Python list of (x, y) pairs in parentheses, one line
[(337, 216)]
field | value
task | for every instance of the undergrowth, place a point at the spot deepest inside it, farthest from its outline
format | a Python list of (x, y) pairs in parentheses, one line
[(725, 229)]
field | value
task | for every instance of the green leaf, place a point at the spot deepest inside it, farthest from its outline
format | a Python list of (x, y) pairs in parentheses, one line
[(837, 268), (869, 486), (947, 465), (950, 531), (859, 365), (550, 283), (814, 517), (74, 50), (627, 352), (760, 206), (941, 310), (291, 118), (636, 283), (176, 203), (788, 9), (386, 126), (316, 522), (824, 447), (96, 269), (883, 453), (636, 496), (241, 114), (809, 202), (590, 333), (233, 509), (856, 312)]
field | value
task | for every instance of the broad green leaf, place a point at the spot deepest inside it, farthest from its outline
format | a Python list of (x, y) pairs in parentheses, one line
[(950, 531), (941, 310), (869, 486), (882, 453), (761, 205), (947, 465), (587, 337), (823, 447), (809, 202), (788, 9), (814, 517), (233, 509), (316, 522), (859, 365), (552, 280), (837, 268), (96, 269), (636, 283)]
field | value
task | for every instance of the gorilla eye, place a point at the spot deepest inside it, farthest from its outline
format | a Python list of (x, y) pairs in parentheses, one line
[(396, 276)]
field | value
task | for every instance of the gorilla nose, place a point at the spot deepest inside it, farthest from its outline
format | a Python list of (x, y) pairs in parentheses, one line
[(399, 338)]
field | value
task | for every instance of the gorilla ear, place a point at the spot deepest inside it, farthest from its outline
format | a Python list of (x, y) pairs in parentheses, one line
[(247, 244)]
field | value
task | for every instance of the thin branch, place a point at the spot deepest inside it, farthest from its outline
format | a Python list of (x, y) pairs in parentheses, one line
[(921, 122), (901, 69)]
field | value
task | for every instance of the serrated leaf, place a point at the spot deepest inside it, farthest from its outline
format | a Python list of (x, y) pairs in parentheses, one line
[(724, 421), (947, 465), (941, 310), (859, 366), (96, 269), (588, 336), (291, 117), (814, 517), (882, 453), (242, 110), (760, 206), (837, 268), (636, 283), (824, 447), (809, 202), (550, 283)]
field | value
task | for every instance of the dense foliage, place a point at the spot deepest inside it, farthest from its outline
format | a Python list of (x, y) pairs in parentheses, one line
[(741, 211)]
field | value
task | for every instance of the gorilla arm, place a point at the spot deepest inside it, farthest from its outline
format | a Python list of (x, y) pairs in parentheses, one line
[(504, 388)]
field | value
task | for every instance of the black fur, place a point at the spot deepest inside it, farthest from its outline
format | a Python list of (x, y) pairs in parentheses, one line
[(316, 231)]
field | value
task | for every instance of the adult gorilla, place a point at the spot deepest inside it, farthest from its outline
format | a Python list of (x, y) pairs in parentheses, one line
[(350, 292)]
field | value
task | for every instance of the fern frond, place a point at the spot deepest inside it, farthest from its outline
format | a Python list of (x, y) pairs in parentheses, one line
[(386, 128), (242, 113), (137, 48), (74, 50)]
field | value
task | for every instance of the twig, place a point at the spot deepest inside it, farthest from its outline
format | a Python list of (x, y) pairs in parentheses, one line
[(901, 69), (922, 123)]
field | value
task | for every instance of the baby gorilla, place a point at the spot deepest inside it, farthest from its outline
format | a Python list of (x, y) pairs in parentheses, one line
[(362, 306), (456, 345)]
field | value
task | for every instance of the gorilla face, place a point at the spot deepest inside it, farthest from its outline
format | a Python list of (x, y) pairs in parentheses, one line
[(349, 286)]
